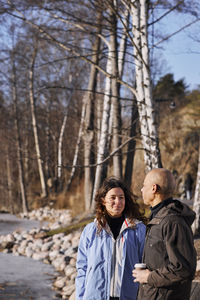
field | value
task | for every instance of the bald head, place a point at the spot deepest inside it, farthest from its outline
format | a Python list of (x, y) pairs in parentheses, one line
[(164, 180)]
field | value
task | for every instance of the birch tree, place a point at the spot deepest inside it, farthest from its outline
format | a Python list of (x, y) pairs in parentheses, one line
[(60, 145), (131, 145), (77, 148), (196, 203), (34, 124), (102, 146), (89, 103), (116, 121), (10, 182), (148, 128), (18, 142)]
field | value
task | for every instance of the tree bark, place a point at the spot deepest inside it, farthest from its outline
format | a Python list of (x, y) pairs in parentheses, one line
[(60, 143), (116, 122), (149, 133), (35, 129), (9, 182), (131, 145), (196, 203), (153, 132), (102, 146), (80, 134), (89, 99), (47, 137), (19, 144)]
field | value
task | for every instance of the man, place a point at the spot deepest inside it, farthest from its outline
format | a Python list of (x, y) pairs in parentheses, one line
[(169, 251)]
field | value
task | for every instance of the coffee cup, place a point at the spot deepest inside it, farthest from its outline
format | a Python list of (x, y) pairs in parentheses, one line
[(140, 266)]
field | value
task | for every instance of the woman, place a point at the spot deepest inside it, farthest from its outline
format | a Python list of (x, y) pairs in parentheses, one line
[(110, 246)]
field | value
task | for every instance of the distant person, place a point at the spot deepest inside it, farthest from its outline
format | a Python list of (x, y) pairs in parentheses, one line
[(110, 246), (169, 251), (188, 186)]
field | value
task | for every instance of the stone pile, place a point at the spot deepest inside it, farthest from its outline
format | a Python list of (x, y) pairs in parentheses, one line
[(56, 218), (59, 250)]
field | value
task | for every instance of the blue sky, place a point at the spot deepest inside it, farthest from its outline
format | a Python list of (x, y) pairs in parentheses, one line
[(182, 51)]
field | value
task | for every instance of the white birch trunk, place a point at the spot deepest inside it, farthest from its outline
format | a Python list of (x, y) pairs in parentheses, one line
[(196, 203), (135, 13), (116, 107), (35, 130), (148, 127), (89, 102), (26, 148), (60, 143), (102, 146), (123, 44), (47, 146), (80, 134), (99, 110), (153, 134), (18, 144), (9, 182)]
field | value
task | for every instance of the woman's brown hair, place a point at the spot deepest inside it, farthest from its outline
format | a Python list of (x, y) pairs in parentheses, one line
[(131, 210)]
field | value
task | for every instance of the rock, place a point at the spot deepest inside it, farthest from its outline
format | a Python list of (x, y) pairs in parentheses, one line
[(69, 289), (60, 282), (47, 246), (60, 250), (7, 245), (40, 255), (69, 271), (198, 266), (73, 296), (72, 262)]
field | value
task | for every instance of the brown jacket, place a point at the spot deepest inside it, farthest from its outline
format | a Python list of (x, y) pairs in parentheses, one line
[(170, 254)]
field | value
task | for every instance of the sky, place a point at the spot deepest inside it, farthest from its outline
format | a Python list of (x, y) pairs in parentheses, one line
[(181, 52)]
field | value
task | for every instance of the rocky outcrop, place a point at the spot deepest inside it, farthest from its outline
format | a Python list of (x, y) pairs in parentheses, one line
[(59, 250)]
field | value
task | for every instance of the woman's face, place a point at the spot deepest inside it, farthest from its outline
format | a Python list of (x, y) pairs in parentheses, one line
[(114, 202)]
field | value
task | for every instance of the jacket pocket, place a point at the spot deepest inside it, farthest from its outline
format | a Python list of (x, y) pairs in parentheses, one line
[(147, 292)]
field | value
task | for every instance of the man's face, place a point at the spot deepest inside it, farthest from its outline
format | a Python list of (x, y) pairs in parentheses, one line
[(147, 190)]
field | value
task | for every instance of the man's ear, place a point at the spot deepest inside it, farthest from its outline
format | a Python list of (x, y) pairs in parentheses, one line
[(154, 188)]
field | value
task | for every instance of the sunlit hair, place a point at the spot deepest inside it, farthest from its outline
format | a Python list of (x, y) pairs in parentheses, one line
[(131, 210)]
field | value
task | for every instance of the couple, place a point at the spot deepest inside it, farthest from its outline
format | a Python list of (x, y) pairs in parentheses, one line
[(118, 239)]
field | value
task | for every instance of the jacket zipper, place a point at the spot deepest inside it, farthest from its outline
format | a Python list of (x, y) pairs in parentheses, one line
[(114, 267)]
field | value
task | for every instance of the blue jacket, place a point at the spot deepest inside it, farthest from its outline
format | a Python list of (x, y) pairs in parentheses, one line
[(95, 257)]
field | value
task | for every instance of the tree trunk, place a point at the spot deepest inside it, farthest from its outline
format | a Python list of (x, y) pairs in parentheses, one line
[(60, 143), (80, 133), (131, 145), (139, 82), (89, 120), (116, 124), (153, 132), (98, 109), (26, 148), (143, 86), (47, 144), (9, 182), (196, 203), (35, 129), (102, 146), (19, 145), (123, 45)]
